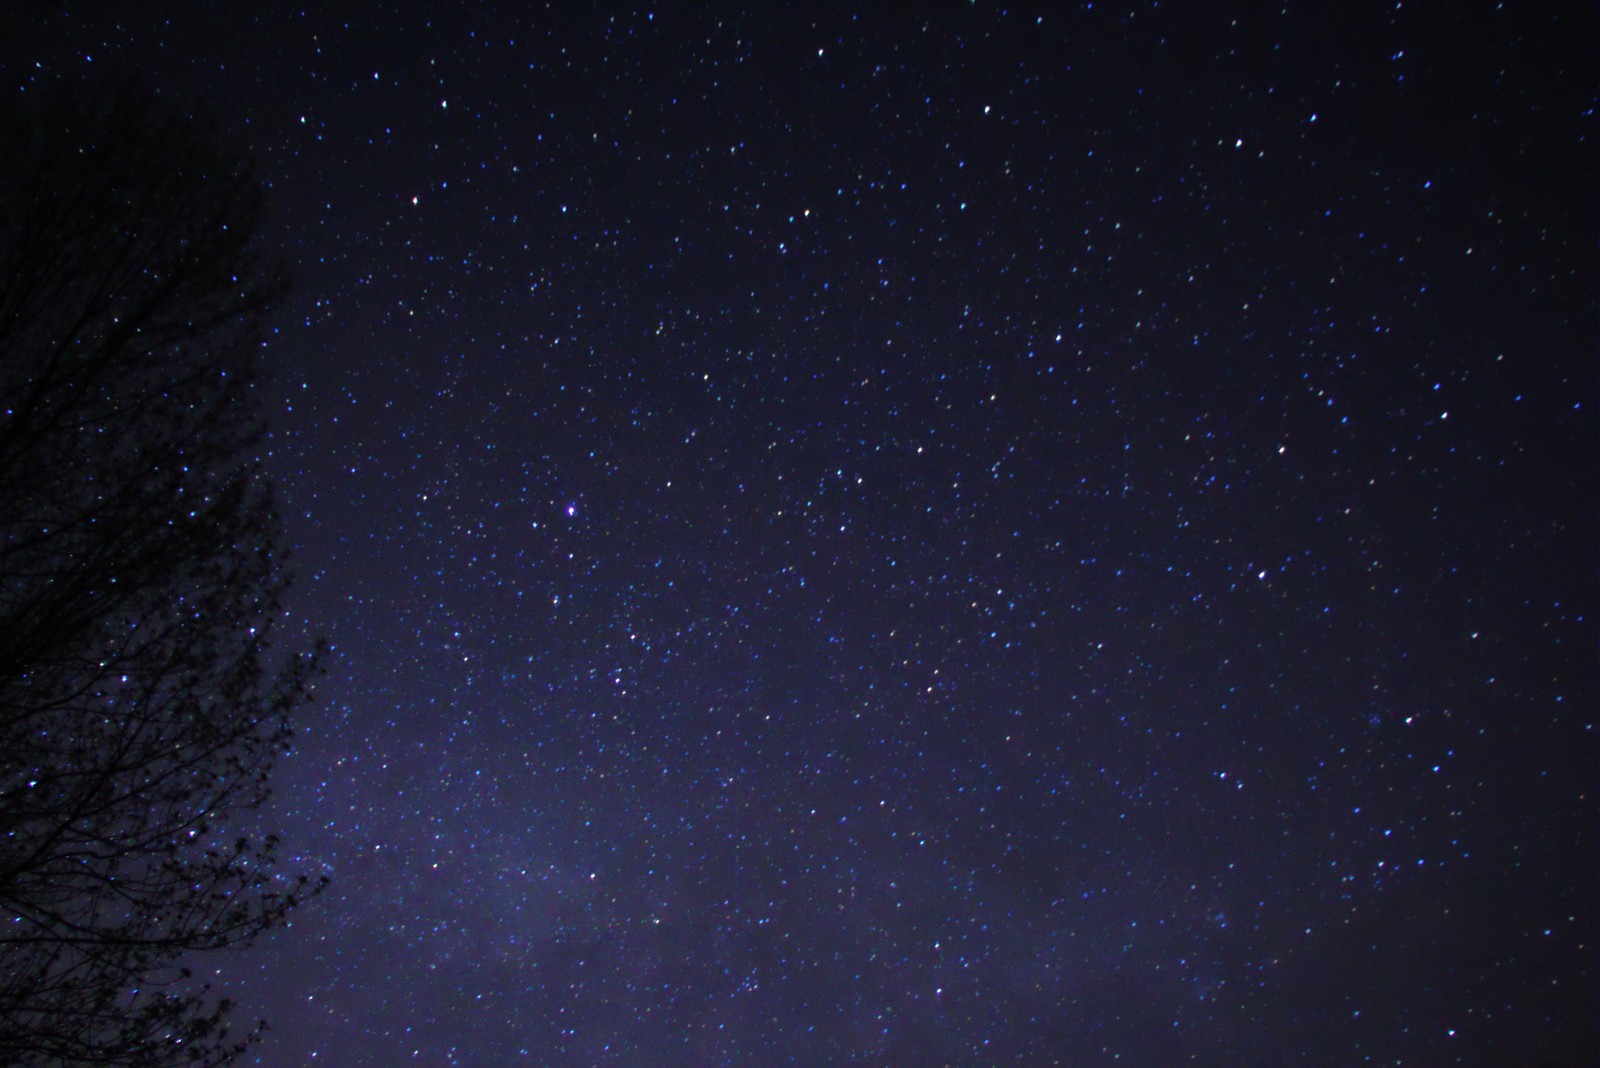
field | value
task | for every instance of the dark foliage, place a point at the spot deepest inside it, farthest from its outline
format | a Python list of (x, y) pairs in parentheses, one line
[(141, 707)]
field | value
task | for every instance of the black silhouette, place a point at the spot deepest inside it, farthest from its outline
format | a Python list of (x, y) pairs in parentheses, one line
[(141, 706)]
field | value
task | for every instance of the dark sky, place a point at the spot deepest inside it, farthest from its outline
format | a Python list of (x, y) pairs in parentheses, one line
[(922, 534)]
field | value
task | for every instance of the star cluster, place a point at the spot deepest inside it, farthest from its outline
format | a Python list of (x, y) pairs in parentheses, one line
[(976, 535)]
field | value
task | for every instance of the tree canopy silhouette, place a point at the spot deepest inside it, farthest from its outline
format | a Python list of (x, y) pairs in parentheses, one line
[(142, 704)]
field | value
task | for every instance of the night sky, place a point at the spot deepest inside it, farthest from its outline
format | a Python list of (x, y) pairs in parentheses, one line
[(924, 534)]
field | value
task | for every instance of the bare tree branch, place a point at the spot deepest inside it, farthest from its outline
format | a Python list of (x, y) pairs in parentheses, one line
[(141, 705)]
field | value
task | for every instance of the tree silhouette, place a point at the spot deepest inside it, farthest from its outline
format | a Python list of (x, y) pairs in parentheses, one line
[(141, 705)]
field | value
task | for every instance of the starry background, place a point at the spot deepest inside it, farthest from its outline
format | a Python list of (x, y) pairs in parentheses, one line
[(906, 535)]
